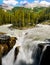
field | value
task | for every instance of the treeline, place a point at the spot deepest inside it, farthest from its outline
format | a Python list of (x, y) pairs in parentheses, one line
[(22, 17)]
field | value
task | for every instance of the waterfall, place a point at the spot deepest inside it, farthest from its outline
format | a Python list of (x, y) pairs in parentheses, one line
[(29, 52), (9, 58), (28, 40), (45, 56)]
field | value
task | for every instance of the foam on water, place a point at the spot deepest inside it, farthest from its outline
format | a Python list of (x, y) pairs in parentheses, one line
[(28, 46)]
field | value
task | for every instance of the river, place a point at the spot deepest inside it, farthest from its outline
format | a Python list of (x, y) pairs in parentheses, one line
[(28, 41)]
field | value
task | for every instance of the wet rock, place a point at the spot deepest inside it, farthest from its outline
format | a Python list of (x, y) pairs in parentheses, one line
[(6, 44), (12, 42), (40, 49), (1, 51), (4, 39), (45, 55), (0, 59), (38, 53), (16, 53), (42, 45), (26, 33), (47, 40), (5, 49)]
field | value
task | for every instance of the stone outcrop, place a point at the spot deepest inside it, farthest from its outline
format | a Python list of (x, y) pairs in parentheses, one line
[(45, 54), (16, 53), (6, 43)]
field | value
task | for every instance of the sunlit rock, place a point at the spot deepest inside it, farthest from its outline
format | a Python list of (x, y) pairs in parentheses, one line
[(12, 41), (6, 44)]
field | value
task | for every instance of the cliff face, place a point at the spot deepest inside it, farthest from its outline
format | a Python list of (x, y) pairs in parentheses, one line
[(45, 54), (6, 43)]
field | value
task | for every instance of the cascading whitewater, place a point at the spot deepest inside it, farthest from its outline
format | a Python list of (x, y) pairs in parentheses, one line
[(27, 53)]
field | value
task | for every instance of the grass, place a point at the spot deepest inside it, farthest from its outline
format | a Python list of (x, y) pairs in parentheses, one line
[(46, 22), (22, 28)]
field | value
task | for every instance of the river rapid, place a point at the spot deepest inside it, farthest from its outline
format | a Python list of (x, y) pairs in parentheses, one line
[(28, 41)]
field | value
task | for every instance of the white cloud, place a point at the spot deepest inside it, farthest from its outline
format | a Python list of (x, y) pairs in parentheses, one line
[(45, 3), (23, 2), (10, 2), (36, 3)]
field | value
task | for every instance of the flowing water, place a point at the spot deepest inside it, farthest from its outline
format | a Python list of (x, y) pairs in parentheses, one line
[(28, 41), (27, 52)]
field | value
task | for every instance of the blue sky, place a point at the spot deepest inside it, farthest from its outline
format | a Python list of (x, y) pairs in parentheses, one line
[(17, 2), (0, 1)]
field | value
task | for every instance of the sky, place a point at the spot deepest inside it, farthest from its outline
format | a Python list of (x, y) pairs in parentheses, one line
[(20, 2)]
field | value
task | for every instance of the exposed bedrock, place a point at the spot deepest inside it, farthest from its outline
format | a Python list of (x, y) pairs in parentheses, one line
[(6, 44), (42, 54), (16, 53), (45, 55)]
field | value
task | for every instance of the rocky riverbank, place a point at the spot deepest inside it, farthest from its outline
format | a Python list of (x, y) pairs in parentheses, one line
[(6, 43)]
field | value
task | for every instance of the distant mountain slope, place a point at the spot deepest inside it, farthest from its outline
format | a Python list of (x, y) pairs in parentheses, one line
[(36, 3), (6, 7), (38, 9), (35, 9), (23, 8)]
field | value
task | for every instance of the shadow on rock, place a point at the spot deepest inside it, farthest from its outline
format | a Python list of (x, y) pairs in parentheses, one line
[(16, 53), (22, 63), (45, 56)]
